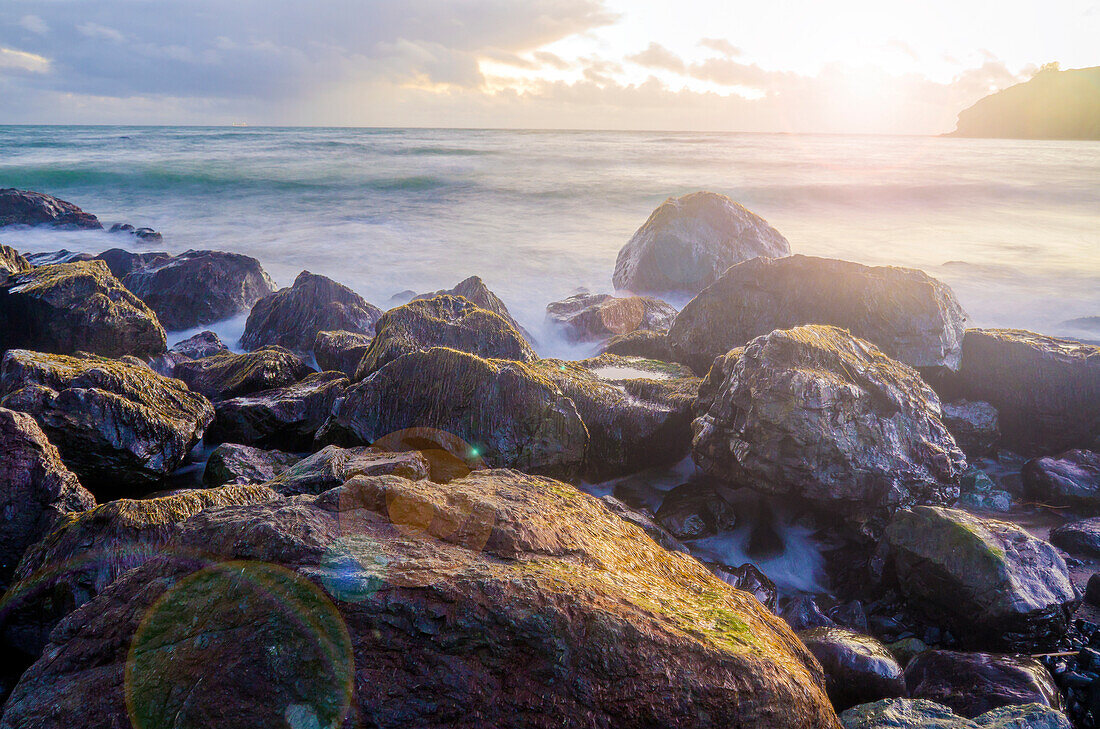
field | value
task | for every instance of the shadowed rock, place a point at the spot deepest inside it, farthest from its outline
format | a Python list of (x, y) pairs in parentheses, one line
[(748, 578), (1078, 537), (67, 307), (858, 668), (650, 345), (906, 313), (200, 287), (203, 344), (691, 511), (225, 376), (340, 351), (333, 466), (118, 426), (23, 207), (596, 317), (122, 262), (689, 242), (235, 464), (498, 600), (973, 425), (1071, 479), (972, 684)]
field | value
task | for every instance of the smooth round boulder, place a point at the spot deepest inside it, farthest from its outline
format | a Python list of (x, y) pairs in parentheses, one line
[(340, 351), (24, 207), (226, 376), (1072, 479), (200, 287), (972, 684), (1078, 537), (817, 414), (597, 317), (234, 464), (292, 317), (688, 242), (500, 600), (858, 668), (906, 313), (69, 307)]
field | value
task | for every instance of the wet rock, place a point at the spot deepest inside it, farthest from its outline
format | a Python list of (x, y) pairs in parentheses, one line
[(507, 411), (23, 207), (1092, 591), (68, 307), (596, 317), (689, 242), (1046, 390), (11, 261), (498, 600), (36, 488), (695, 510), (906, 313), (972, 684), (286, 418), (200, 287), (974, 426), (475, 291), (203, 344), (443, 321), (85, 552), (818, 414), (235, 464), (1078, 537), (652, 529), (340, 351), (637, 412), (333, 466), (802, 613), (748, 578), (850, 615), (227, 375), (991, 501), (645, 344), (118, 426), (904, 649), (1071, 479), (145, 235), (997, 585), (921, 714), (1025, 716), (122, 262), (293, 317), (47, 258), (858, 668)]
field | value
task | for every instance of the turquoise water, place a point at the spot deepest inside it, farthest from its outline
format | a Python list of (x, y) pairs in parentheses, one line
[(1013, 226)]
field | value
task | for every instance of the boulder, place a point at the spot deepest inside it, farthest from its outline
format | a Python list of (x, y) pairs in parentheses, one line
[(443, 321), (86, 552), (448, 456), (36, 488), (695, 510), (820, 415), (67, 307), (203, 344), (11, 262), (333, 466), (227, 375), (1046, 390), (293, 317), (748, 578), (122, 262), (1078, 537), (340, 351), (689, 242), (145, 235), (992, 582), (286, 418), (906, 313), (922, 714), (1071, 479), (200, 287), (498, 600), (637, 412), (973, 425), (118, 426), (597, 317), (474, 290), (858, 668), (509, 412), (803, 612), (642, 343), (235, 464), (1023, 716), (23, 207), (971, 684)]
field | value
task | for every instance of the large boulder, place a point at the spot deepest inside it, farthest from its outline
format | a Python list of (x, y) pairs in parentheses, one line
[(117, 425), (906, 313), (86, 552), (12, 262), (689, 242), (973, 425), (858, 668), (509, 412), (292, 317), (67, 307), (231, 463), (820, 415), (443, 321), (498, 600), (227, 375), (923, 714), (474, 290), (1071, 479), (286, 418), (333, 466), (1046, 390), (995, 584), (340, 351), (596, 317), (23, 207), (971, 684), (35, 488), (200, 287), (1078, 537), (121, 262)]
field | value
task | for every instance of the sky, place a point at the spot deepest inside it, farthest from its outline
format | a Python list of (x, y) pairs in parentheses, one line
[(843, 66)]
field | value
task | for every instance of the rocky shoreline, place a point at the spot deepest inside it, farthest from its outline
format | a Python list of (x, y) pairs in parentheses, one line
[(410, 518)]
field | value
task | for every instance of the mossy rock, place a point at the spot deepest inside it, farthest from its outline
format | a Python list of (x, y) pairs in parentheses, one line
[(227, 375)]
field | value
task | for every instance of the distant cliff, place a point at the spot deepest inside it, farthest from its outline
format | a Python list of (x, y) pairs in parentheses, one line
[(1052, 105)]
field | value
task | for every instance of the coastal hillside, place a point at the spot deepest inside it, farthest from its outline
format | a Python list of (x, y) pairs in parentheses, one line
[(1052, 105)]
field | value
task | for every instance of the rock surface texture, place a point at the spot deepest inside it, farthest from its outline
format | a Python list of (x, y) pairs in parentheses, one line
[(597, 317), (235, 464), (23, 207), (225, 376), (688, 242), (1071, 479), (906, 313), (340, 351), (474, 290), (12, 262), (858, 668), (922, 714), (974, 426), (972, 684)]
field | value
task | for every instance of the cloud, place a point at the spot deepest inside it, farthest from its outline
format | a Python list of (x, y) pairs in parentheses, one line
[(722, 46), (13, 60), (102, 32), (657, 56), (551, 59), (34, 24)]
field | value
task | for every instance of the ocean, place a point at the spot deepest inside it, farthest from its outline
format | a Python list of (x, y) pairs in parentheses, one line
[(1012, 226)]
